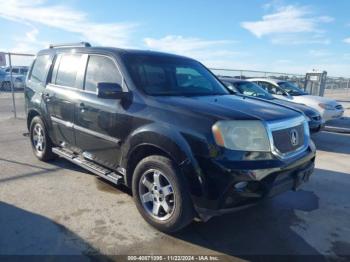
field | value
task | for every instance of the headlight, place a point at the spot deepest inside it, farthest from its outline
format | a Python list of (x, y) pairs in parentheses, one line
[(244, 135), (326, 106)]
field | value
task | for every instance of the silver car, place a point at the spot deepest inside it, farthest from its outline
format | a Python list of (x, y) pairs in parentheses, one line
[(19, 74)]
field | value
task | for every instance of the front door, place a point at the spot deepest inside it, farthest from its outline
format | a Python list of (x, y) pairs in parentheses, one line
[(97, 120)]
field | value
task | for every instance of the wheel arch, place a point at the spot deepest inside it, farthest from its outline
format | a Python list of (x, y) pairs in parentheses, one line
[(30, 115), (157, 140)]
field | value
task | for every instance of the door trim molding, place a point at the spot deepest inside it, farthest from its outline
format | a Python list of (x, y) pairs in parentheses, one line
[(85, 130)]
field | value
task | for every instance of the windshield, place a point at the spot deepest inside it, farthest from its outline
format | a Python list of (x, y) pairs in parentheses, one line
[(251, 89), (291, 88), (172, 76)]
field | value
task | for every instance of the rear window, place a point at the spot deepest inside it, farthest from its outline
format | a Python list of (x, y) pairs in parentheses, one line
[(40, 68), (67, 70)]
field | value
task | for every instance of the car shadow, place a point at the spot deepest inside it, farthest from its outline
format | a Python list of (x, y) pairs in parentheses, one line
[(332, 142), (263, 230), (27, 233)]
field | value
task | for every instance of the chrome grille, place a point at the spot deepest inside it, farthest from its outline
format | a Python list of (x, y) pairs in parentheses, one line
[(282, 136), (289, 139)]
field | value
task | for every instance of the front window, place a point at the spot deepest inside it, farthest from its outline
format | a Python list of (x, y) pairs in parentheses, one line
[(172, 76), (291, 88), (101, 69), (251, 89)]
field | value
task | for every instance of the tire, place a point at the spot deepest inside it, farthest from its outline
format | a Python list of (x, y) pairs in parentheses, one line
[(39, 136), (7, 86), (171, 195)]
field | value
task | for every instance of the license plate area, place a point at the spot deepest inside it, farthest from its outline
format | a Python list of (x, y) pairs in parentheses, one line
[(303, 176)]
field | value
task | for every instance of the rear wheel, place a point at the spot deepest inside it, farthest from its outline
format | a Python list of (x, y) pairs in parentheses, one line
[(41, 142), (160, 194), (6, 86)]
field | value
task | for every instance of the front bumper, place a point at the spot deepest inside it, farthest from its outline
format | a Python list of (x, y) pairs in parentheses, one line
[(223, 196), (316, 125), (332, 114)]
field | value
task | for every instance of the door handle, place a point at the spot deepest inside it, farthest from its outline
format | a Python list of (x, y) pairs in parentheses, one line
[(47, 96), (82, 107)]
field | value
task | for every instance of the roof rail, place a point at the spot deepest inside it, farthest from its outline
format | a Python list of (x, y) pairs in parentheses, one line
[(79, 44)]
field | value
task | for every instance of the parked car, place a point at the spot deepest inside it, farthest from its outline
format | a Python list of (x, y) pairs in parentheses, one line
[(328, 108), (247, 88), (2, 76), (166, 127), (19, 74)]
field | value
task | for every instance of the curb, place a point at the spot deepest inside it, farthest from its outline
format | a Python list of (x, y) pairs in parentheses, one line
[(334, 129)]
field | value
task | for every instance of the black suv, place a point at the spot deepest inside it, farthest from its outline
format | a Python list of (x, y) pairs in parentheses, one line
[(166, 127)]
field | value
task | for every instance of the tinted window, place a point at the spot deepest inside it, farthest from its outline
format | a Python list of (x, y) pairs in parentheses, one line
[(67, 70), (251, 89), (272, 89), (101, 69), (172, 76), (24, 71), (40, 68), (15, 70), (291, 88)]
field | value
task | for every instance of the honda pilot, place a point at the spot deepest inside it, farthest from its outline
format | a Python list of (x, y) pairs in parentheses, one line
[(166, 127)]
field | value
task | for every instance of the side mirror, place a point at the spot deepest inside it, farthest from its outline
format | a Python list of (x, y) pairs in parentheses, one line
[(110, 91)]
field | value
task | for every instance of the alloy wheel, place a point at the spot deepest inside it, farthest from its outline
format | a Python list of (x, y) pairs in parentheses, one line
[(38, 138), (157, 195)]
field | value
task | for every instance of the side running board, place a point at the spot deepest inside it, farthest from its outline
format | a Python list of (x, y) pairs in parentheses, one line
[(89, 165)]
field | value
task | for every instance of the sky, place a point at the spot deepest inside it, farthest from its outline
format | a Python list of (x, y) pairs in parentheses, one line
[(278, 35)]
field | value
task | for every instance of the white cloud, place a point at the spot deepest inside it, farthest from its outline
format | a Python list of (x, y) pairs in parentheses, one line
[(209, 52), (288, 20), (182, 45), (347, 40), (319, 53), (65, 18)]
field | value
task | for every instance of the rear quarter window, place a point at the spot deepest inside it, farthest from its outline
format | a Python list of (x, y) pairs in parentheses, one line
[(40, 68)]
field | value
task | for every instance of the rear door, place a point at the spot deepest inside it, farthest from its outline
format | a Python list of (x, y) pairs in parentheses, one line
[(60, 96), (98, 122)]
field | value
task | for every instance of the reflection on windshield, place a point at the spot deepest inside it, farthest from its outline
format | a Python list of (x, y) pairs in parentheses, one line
[(172, 76), (291, 88), (251, 89)]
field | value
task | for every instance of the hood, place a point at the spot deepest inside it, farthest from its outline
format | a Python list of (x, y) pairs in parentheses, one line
[(303, 108), (229, 107), (321, 99)]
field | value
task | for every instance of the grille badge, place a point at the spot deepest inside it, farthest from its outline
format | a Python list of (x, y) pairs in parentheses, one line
[(294, 137)]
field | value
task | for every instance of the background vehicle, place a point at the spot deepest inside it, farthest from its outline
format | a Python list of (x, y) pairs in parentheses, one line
[(2, 77), (328, 108), (164, 126), (251, 89), (19, 74)]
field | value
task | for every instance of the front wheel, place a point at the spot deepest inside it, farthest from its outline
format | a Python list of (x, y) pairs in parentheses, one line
[(160, 194)]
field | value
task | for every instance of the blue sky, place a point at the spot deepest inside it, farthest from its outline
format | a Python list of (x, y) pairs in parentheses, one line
[(282, 35)]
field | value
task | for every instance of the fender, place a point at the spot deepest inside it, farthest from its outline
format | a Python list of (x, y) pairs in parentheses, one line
[(171, 142)]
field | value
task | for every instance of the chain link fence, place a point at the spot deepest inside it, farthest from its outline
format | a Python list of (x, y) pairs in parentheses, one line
[(335, 86), (13, 73)]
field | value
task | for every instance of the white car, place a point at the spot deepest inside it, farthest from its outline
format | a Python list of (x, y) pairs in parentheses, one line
[(328, 108)]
